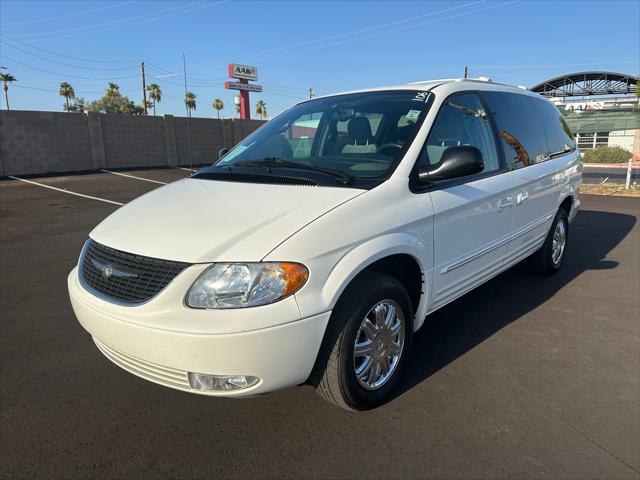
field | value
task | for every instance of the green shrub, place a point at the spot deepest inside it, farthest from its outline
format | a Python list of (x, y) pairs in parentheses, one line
[(606, 155)]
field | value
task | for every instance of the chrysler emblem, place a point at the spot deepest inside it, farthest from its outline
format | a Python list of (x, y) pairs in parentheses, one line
[(109, 271)]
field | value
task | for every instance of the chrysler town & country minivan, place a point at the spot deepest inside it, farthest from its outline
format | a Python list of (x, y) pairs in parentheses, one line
[(313, 250)]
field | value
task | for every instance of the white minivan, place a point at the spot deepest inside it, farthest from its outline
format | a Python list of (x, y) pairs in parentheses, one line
[(313, 250)]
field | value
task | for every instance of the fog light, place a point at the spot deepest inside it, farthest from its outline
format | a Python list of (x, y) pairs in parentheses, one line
[(203, 381)]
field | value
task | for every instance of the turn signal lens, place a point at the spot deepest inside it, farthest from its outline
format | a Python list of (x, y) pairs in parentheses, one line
[(238, 285), (296, 276)]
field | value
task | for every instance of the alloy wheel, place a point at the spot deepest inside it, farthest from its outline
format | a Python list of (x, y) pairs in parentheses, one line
[(379, 344), (558, 243)]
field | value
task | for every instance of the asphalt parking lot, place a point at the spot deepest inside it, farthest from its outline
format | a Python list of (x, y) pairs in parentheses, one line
[(525, 377)]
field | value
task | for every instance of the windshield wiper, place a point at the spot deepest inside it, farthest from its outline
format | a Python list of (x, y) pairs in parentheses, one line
[(344, 178)]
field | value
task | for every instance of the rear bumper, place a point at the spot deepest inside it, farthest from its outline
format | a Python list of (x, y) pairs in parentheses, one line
[(280, 356)]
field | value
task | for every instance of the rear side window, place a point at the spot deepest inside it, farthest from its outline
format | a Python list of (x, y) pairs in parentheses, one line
[(559, 134), (523, 138)]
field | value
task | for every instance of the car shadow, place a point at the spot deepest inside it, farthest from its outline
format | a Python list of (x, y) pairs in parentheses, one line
[(458, 327)]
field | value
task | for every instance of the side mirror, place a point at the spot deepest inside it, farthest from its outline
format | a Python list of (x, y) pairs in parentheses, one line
[(222, 152), (455, 162)]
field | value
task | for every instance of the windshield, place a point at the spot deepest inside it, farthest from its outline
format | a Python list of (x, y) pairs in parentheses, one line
[(362, 135)]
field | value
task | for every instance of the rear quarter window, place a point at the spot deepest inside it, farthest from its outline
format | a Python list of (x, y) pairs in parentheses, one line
[(559, 134), (520, 128)]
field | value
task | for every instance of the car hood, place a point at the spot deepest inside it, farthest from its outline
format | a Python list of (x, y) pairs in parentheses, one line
[(197, 221)]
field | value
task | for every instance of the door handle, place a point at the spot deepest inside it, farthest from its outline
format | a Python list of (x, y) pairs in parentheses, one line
[(505, 202), (521, 197)]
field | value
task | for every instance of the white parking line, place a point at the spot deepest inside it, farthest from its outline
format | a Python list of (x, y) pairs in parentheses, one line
[(65, 191), (133, 176), (187, 169)]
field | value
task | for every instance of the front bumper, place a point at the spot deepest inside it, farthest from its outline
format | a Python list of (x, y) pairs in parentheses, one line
[(574, 209), (281, 355)]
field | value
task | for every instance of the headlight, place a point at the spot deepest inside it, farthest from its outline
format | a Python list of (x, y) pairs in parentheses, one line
[(237, 285)]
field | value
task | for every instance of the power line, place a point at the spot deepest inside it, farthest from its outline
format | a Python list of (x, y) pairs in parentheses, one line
[(124, 25), (353, 32), (89, 60), (84, 12), (178, 76), (34, 88), (285, 88), (64, 74), (386, 32), (611, 62), (113, 22), (51, 90), (216, 82), (80, 67), (163, 71), (271, 92)]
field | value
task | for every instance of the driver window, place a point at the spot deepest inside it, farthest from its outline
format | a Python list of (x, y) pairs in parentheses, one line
[(462, 120)]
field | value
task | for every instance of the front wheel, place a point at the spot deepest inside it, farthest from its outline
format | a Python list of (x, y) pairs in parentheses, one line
[(549, 258), (367, 343)]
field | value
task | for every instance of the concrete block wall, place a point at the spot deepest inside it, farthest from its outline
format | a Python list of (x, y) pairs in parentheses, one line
[(40, 142), (133, 138), (208, 137), (33, 143)]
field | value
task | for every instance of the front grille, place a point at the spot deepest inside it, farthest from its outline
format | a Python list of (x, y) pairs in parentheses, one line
[(124, 276)]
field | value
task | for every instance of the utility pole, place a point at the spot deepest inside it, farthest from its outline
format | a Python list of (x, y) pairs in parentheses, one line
[(311, 92), (466, 72), (144, 90)]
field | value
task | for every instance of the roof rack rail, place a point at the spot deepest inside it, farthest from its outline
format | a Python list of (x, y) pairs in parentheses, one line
[(468, 79)]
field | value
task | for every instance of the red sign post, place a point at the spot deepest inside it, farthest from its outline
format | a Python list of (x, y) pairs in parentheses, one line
[(243, 73)]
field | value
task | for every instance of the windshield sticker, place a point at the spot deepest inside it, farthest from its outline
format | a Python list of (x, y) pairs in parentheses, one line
[(234, 153), (413, 115), (421, 97)]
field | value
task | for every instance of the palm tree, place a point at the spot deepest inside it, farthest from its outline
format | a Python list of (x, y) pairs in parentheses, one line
[(112, 89), (237, 108), (67, 91), (261, 109), (155, 94), (218, 105), (7, 78), (190, 101)]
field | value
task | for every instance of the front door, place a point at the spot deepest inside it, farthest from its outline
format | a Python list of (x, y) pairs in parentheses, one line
[(473, 216)]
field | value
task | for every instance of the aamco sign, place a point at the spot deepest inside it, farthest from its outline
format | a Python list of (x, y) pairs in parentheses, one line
[(244, 72)]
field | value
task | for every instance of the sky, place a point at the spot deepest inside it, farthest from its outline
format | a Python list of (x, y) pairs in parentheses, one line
[(329, 46)]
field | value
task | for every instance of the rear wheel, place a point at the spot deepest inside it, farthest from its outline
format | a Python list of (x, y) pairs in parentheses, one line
[(549, 258), (366, 344)]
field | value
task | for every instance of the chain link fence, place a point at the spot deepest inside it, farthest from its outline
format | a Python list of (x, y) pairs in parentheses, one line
[(625, 174), (609, 157), (607, 132)]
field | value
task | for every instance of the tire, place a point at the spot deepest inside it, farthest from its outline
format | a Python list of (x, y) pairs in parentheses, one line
[(543, 261), (335, 374)]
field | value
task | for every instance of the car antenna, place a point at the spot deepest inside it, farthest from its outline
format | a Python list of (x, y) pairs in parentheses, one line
[(184, 68)]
